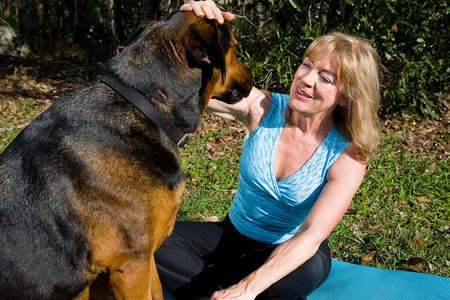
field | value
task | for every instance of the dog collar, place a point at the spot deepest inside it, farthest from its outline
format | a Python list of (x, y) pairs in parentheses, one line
[(147, 108)]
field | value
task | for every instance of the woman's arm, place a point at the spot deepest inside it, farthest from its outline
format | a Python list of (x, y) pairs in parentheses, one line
[(250, 110), (343, 180)]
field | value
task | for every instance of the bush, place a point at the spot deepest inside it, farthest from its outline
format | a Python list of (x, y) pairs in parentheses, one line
[(410, 37)]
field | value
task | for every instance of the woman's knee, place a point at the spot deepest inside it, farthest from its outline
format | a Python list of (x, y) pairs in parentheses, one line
[(302, 281)]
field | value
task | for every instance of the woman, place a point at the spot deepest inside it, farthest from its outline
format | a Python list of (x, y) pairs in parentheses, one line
[(303, 158)]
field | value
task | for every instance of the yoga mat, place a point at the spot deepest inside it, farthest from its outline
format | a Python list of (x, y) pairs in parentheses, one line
[(354, 282), (350, 281)]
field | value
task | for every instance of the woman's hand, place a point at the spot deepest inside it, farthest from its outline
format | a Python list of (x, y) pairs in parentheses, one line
[(235, 292), (209, 10)]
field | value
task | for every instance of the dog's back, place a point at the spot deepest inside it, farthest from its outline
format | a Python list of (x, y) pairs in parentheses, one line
[(43, 244)]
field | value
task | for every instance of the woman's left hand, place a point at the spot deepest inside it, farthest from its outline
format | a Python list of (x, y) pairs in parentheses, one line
[(235, 292)]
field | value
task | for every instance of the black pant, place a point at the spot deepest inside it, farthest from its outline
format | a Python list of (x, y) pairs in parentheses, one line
[(198, 259)]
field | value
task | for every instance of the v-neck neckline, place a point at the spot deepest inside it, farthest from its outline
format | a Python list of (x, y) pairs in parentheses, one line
[(274, 149)]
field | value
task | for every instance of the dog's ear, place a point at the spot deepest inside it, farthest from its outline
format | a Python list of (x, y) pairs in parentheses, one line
[(214, 41)]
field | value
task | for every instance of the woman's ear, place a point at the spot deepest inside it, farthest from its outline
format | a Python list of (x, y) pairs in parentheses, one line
[(342, 101), (341, 96)]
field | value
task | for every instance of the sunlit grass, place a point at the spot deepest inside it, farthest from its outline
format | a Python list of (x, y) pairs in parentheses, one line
[(401, 212), (399, 218)]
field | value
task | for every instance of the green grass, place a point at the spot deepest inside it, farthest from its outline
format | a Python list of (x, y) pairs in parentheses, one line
[(401, 212), (211, 174), (399, 218), (15, 114)]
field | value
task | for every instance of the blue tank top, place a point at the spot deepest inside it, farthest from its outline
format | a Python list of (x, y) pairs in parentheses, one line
[(268, 210)]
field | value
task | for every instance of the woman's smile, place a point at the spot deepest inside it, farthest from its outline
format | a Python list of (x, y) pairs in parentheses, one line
[(303, 94)]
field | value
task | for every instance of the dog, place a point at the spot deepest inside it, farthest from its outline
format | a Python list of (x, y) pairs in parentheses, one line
[(91, 188)]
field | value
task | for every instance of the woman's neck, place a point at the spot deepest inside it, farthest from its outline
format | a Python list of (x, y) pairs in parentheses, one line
[(315, 125)]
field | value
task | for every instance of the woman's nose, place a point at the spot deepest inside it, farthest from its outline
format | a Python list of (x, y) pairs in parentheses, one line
[(309, 77)]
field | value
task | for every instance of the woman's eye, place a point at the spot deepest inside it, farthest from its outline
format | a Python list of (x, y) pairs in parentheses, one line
[(307, 65), (327, 78)]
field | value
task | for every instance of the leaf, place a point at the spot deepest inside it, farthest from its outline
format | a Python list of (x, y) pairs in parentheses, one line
[(424, 199), (373, 228), (212, 219), (295, 4), (418, 269), (418, 242), (368, 257), (414, 261)]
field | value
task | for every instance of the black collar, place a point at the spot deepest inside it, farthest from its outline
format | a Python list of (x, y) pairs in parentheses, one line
[(147, 108)]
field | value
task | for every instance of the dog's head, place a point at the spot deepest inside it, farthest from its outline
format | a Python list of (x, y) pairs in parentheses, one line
[(180, 62), (213, 48)]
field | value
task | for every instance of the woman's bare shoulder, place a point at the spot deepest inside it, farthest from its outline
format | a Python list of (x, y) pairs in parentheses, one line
[(259, 103)]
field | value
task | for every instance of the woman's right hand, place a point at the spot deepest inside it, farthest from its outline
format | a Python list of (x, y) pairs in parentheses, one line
[(208, 9)]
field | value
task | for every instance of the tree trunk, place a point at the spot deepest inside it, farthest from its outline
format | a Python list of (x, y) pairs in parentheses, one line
[(28, 22)]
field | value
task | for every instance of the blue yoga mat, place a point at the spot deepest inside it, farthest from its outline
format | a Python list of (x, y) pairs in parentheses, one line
[(354, 282), (349, 281)]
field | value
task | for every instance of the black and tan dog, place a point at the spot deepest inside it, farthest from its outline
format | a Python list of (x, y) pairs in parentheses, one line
[(90, 189)]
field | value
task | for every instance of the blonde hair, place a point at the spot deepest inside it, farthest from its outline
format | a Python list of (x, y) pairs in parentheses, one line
[(358, 77)]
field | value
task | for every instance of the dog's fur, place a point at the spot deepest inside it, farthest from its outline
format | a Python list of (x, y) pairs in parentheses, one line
[(90, 189)]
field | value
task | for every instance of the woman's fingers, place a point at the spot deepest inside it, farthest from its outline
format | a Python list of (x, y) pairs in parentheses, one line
[(227, 16), (186, 7), (209, 10)]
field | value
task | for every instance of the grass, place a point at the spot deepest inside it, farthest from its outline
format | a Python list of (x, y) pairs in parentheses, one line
[(399, 218), (400, 214), (210, 161), (15, 114)]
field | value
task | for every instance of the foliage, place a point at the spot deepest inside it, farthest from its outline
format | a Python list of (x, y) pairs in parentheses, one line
[(414, 51), (411, 38), (85, 29)]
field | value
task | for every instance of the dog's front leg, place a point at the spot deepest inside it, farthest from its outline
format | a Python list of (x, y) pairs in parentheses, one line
[(131, 281), (156, 288)]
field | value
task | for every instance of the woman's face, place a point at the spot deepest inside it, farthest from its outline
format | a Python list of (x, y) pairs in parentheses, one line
[(315, 88)]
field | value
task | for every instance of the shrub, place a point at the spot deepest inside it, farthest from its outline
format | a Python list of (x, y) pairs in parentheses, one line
[(410, 36)]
